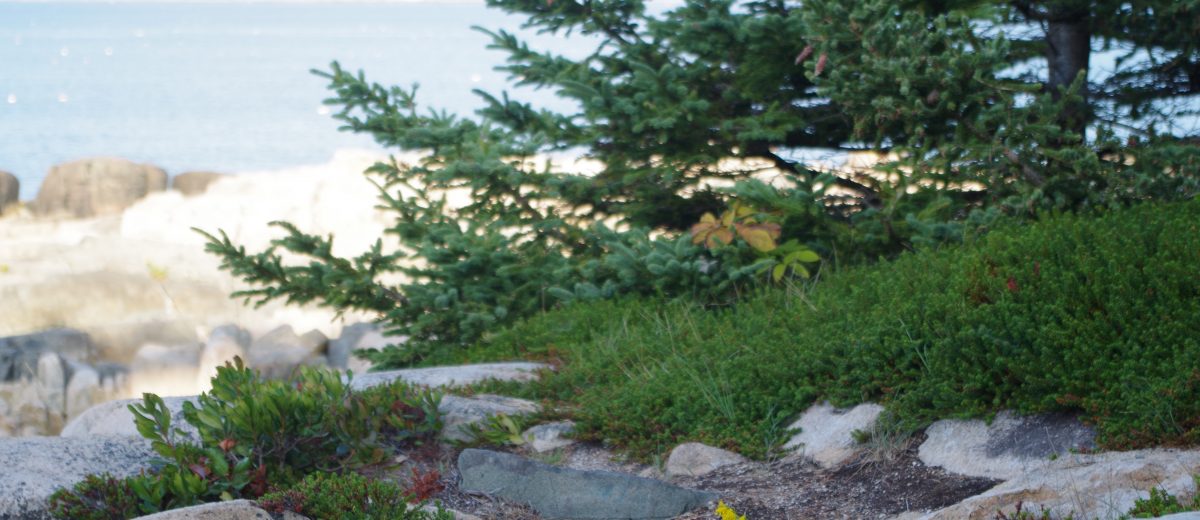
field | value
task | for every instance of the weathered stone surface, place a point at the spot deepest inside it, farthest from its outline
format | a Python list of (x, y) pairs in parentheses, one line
[(565, 493), (194, 183), (549, 436), (279, 352), (224, 343), (10, 190), (451, 376), (826, 432), (693, 459), (1008, 447), (359, 336), (19, 354), (113, 419), (165, 370), (83, 391), (1195, 515), (97, 186), (1102, 486), (35, 467), (230, 510), (459, 412)]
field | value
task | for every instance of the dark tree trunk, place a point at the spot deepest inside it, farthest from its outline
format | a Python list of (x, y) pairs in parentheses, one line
[(1068, 47)]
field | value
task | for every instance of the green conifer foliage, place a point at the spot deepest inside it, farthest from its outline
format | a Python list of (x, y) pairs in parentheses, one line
[(981, 107)]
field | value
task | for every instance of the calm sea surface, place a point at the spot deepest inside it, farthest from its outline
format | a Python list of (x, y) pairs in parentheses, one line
[(224, 87)]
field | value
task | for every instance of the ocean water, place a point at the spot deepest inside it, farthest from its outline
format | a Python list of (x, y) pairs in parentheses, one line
[(225, 86)]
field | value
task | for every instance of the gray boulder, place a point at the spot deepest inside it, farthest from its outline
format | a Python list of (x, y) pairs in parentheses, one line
[(451, 376), (279, 352), (693, 459), (359, 336), (36, 467), (113, 419), (19, 354), (224, 343), (1008, 447), (97, 186), (1104, 485), (229, 510), (573, 494), (194, 183), (10, 190)]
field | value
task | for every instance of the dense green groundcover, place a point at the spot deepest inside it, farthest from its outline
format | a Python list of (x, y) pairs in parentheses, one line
[(1099, 314)]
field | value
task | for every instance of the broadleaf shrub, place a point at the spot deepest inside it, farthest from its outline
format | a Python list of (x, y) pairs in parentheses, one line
[(254, 433)]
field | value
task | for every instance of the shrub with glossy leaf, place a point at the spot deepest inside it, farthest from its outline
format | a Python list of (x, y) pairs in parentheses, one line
[(97, 497), (1097, 313), (255, 433), (349, 496)]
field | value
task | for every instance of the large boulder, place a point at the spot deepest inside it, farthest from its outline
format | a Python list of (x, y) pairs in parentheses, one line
[(97, 186), (224, 344), (278, 353), (36, 467), (451, 376), (113, 419), (567, 493), (194, 183), (19, 354), (827, 433), (359, 336), (1008, 447), (1104, 485), (693, 459), (165, 370), (10, 190), (228, 510)]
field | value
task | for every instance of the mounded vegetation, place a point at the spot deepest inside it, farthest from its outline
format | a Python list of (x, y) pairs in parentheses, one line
[(1096, 313)]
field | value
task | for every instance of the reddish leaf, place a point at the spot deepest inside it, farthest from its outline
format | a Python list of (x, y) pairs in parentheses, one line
[(1012, 285), (200, 470), (227, 444)]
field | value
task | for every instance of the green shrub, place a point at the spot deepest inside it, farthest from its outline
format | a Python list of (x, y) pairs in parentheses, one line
[(96, 497), (348, 496), (255, 433), (1099, 314)]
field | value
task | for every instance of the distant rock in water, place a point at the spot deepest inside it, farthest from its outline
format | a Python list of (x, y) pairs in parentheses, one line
[(194, 183), (10, 188), (97, 186)]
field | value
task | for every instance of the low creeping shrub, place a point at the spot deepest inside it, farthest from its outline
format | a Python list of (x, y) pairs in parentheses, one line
[(254, 433), (348, 496), (1098, 314)]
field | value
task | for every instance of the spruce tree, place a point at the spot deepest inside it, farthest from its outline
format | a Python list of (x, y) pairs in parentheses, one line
[(981, 109)]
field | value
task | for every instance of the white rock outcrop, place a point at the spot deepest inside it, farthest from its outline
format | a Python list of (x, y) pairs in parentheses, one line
[(826, 433)]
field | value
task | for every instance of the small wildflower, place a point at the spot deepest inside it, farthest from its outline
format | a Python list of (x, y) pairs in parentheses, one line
[(726, 513)]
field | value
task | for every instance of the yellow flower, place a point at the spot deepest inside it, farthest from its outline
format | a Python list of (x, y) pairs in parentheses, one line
[(726, 513)]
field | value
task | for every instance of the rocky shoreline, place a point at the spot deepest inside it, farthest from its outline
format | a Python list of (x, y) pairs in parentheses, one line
[(105, 293)]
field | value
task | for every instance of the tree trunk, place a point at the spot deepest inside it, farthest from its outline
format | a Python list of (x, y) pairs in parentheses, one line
[(1068, 47)]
